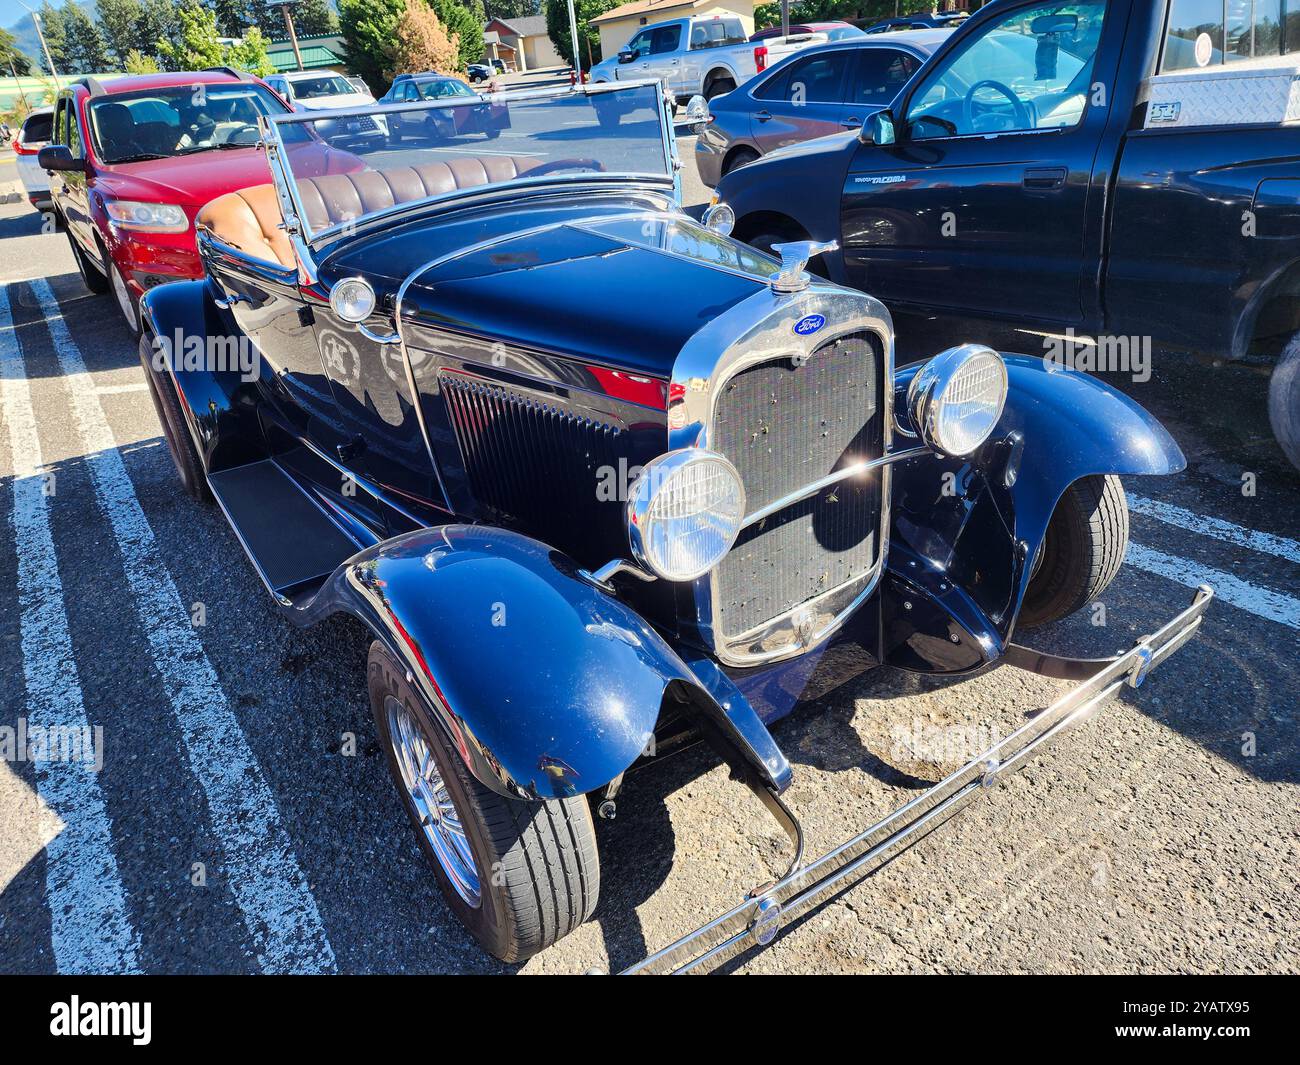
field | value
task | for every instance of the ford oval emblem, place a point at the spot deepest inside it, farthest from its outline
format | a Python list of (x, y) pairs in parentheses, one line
[(809, 324)]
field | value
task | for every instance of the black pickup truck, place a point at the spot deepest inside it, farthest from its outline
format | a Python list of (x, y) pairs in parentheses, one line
[(1103, 177)]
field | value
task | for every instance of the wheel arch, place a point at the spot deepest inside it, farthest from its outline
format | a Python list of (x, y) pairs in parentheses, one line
[(1272, 311), (545, 684)]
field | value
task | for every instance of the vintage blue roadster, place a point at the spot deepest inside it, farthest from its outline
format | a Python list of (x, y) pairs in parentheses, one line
[(600, 479)]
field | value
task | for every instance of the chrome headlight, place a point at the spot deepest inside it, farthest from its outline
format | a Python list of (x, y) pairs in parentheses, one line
[(720, 218), (352, 299), (956, 398), (684, 513)]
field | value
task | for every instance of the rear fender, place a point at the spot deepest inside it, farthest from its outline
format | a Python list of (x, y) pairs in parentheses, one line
[(960, 521), (193, 342), (545, 684)]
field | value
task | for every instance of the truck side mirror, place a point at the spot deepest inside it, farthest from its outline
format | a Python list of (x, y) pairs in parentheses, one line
[(878, 128), (59, 157), (625, 56)]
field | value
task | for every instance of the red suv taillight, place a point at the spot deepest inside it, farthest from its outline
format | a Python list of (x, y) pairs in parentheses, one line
[(22, 149), (760, 57)]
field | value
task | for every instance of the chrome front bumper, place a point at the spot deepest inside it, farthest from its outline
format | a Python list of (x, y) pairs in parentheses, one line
[(756, 920)]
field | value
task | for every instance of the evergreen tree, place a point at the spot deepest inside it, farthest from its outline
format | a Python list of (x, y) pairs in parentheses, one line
[(232, 17), (467, 26), (83, 45), (119, 22), (367, 27), (195, 44), (135, 63), (508, 9), (314, 16), (9, 53), (557, 27), (55, 40)]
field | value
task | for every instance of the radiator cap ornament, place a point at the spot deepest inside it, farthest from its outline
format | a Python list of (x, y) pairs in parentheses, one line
[(792, 277)]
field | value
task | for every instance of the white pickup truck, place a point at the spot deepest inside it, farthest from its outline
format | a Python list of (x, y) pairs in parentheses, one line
[(697, 56)]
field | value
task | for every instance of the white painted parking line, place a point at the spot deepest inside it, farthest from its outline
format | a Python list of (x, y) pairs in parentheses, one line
[(1262, 602), (264, 874), (90, 929), (117, 390), (1268, 543)]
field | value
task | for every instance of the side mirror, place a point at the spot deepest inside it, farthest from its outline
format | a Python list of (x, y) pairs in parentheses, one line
[(625, 56), (879, 128), (59, 157)]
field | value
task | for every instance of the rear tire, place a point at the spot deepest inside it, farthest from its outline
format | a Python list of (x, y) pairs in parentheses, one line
[(1284, 400), (718, 87), (537, 870), (179, 442), (1081, 553)]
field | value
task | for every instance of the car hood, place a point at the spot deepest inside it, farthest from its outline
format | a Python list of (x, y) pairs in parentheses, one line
[(625, 293), (334, 103), (831, 144), (190, 181)]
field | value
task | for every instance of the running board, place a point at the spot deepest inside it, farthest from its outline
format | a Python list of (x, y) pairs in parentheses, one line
[(289, 537)]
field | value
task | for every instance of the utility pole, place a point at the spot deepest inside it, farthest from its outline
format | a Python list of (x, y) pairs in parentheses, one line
[(785, 18), (285, 5), (36, 18), (573, 37), (26, 105)]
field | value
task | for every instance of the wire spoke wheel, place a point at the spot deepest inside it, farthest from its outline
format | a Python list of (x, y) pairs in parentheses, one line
[(427, 792)]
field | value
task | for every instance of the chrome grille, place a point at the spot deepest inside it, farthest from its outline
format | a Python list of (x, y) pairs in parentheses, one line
[(784, 427)]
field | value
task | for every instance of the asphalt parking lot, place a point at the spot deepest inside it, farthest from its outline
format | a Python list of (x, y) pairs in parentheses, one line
[(230, 831)]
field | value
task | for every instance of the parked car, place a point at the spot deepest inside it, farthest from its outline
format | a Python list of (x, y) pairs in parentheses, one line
[(479, 72), (33, 135), (832, 31), (324, 90), (134, 158), (696, 56), (599, 480), (917, 22), (439, 123), (1163, 208), (821, 90)]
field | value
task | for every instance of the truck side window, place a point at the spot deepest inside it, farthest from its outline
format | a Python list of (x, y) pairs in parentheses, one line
[(74, 129), (665, 39), (1199, 35), (1032, 70), (640, 44), (717, 32)]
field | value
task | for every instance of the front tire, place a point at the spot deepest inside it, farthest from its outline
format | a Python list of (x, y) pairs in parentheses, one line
[(91, 276), (1284, 400), (179, 442), (126, 303), (1081, 553), (518, 875)]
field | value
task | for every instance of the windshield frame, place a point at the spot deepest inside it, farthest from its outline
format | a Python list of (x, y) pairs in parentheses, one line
[(296, 216)]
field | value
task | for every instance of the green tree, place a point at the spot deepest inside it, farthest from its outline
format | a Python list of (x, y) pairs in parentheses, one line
[(232, 17), (135, 63), (557, 27), (55, 39), (118, 21), (250, 54), (367, 29), (508, 9), (463, 22), (9, 53), (195, 45), (158, 20), (314, 16), (84, 49)]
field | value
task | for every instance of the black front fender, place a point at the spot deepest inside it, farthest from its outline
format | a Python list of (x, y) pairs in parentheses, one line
[(546, 685)]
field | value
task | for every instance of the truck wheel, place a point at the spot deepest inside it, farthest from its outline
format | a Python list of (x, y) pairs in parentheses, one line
[(91, 276), (519, 875), (179, 442), (1081, 553), (1284, 400), (717, 87)]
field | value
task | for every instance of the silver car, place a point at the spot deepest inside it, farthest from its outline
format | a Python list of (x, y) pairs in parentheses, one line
[(823, 89)]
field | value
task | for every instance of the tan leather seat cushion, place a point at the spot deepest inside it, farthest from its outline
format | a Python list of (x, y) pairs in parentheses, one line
[(250, 218), (250, 221)]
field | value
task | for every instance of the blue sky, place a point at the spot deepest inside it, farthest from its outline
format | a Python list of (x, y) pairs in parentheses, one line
[(11, 11)]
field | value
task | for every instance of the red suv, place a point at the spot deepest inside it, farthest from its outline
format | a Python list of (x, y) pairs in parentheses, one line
[(133, 160)]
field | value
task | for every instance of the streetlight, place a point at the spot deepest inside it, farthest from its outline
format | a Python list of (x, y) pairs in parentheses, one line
[(44, 47)]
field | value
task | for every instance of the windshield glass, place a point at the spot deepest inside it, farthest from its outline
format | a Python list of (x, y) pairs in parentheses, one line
[(179, 120), (384, 158), (324, 85)]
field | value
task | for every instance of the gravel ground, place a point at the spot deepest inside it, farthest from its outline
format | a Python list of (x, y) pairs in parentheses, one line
[(1148, 840)]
